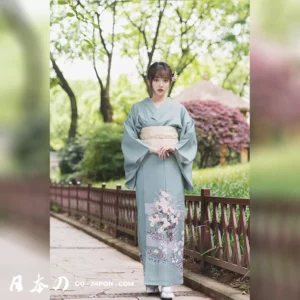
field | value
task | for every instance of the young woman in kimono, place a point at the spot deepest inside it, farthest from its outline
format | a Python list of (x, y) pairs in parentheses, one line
[(159, 145)]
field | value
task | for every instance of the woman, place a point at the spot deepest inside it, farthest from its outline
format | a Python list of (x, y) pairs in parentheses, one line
[(159, 145)]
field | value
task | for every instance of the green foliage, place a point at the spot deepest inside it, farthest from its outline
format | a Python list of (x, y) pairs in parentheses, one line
[(87, 93), (103, 159), (219, 30), (59, 117), (55, 208), (228, 181), (71, 155), (124, 95)]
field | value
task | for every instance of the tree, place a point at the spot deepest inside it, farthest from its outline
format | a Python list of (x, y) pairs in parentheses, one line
[(140, 38), (66, 87), (235, 41), (183, 32), (183, 43), (108, 46), (83, 37), (217, 125)]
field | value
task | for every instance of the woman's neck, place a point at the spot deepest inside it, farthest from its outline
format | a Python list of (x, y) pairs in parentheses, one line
[(156, 98)]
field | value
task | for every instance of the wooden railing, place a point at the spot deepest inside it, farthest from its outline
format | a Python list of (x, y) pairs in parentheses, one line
[(217, 229)]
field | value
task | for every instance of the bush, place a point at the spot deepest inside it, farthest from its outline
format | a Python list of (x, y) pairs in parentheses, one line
[(55, 208), (218, 125), (71, 155), (103, 159)]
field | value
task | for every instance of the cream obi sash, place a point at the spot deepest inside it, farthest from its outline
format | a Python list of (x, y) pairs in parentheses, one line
[(159, 135)]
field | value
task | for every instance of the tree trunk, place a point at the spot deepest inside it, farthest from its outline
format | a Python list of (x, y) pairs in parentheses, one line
[(223, 153), (171, 88), (105, 106), (147, 86), (65, 86)]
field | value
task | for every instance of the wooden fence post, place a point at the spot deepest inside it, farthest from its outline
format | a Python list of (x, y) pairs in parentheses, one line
[(119, 187), (101, 204), (77, 188), (135, 224), (69, 201), (88, 203), (61, 196), (54, 192), (204, 221)]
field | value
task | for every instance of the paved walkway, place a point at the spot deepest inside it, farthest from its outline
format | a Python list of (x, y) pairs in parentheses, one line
[(97, 271)]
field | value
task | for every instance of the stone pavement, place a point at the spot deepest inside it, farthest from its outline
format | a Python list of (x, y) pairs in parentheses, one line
[(95, 270)]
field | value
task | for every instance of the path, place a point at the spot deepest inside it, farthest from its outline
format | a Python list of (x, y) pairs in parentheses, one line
[(103, 272)]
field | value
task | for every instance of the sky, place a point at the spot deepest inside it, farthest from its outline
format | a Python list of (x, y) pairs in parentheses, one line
[(80, 69)]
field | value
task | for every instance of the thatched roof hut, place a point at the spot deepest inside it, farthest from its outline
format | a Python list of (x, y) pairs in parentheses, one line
[(205, 90)]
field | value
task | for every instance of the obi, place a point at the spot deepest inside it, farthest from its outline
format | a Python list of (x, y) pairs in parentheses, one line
[(157, 136)]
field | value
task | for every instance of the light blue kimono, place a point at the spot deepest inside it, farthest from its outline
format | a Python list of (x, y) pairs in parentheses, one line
[(160, 188)]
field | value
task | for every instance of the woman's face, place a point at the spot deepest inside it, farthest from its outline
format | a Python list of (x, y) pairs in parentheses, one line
[(160, 86)]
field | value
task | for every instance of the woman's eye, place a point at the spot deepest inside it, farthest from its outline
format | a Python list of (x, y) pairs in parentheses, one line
[(166, 80)]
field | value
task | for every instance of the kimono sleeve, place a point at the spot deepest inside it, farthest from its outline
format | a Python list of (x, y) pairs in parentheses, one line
[(186, 148), (134, 150)]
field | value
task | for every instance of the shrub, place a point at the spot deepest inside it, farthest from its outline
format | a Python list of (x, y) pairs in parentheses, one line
[(71, 155), (55, 208), (217, 125), (103, 159)]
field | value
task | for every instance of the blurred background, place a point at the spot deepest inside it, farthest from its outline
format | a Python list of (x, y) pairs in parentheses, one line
[(275, 108), (24, 147)]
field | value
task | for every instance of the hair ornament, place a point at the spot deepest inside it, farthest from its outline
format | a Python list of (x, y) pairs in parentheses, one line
[(174, 76)]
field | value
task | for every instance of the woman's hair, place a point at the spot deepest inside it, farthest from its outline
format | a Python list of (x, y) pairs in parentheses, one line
[(159, 69)]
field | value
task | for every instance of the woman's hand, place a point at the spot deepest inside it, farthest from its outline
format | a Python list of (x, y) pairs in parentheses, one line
[(165, 151), (153, 150)]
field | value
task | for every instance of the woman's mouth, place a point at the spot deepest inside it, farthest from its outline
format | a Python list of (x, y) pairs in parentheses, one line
[(160, 90)]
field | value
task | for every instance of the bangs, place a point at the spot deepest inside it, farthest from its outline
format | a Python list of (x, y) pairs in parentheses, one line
[(162, 73)]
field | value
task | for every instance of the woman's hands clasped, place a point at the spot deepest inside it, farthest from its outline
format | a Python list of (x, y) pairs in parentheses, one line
[(163, 151)]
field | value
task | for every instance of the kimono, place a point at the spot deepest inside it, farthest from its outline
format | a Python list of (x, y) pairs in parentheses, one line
[(160, 188)]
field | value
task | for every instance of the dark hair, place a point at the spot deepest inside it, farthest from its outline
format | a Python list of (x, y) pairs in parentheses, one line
[(159, 69)]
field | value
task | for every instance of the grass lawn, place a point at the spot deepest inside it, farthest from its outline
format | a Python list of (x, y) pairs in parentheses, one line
[(228, 181)]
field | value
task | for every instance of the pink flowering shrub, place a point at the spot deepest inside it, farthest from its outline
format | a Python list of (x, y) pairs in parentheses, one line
[(216, 125)]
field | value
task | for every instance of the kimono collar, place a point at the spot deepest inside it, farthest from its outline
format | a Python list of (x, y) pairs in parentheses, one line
[(156, 112)]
